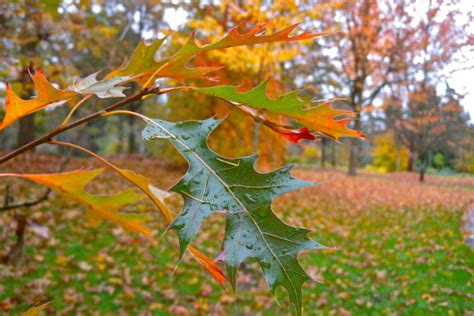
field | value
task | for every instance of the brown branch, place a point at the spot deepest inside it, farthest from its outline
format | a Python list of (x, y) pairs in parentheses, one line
[(61, 129), (44, 197)]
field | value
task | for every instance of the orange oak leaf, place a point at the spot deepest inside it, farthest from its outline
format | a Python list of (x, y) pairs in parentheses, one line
[(47, 96), (99, 207), (177, 65), (143, 64)]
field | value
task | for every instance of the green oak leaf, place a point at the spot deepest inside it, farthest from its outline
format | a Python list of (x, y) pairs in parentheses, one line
[(142, 63), (217, 184), (318, 117)]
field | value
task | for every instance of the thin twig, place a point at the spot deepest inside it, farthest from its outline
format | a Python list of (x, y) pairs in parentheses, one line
[(68, 117), (126, 112), (26, 204)]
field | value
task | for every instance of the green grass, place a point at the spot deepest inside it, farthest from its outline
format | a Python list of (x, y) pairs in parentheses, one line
[(388, 260), (412, 263)]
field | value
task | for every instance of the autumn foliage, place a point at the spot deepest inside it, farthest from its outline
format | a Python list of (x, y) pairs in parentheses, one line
[(213, 183), (144, 149)]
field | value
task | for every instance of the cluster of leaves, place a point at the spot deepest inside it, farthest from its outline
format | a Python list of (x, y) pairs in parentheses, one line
[(213, 183)]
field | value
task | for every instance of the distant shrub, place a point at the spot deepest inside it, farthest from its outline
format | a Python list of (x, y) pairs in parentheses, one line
[(384, 156), (311, 154)]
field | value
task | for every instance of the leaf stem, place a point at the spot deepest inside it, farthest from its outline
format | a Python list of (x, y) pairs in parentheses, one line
[(152, 77), (176, 89), (143, 117), (68, 117)]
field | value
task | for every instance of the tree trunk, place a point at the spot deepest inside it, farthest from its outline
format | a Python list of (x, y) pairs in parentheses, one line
[(323, 152), (26, 130), (132, 132), (422, 174), (352, 158), (354, 151), (121, 137), (422, 170), (397, 163), (411, 160), (16, 254), (430, 159), (333, 154)]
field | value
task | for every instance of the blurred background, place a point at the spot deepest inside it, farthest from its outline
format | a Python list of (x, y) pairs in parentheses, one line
[(406, 66)]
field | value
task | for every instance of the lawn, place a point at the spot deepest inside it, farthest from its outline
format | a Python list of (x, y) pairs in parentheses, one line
[(396, 247)]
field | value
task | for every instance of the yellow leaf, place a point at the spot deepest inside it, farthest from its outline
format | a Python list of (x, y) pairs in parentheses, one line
[(36, 310), (99, 207), (157, 196)]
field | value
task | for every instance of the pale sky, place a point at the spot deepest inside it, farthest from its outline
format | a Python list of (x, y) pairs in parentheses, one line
[(463, 81)]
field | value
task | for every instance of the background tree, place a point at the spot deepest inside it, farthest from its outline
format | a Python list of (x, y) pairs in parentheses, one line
[(381, 38), (436, 41), (358, 60), (422, 127)]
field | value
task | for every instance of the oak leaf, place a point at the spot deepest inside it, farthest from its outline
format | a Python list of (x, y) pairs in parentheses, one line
[(177, 66), (99, 207), (36, 310), (217, 184), (47, 96), (141, 64), (319, 118), (106, 88)]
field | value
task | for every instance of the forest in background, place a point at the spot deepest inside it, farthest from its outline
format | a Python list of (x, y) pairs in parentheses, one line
[(388, 60)]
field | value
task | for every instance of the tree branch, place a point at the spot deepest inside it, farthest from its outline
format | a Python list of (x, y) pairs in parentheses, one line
[(9, 207), (61, 129)]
